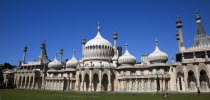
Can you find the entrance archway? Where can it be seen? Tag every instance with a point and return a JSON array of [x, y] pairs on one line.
[[86, 82], [191, 80], [204, 80], [95, 81], [105, 82]]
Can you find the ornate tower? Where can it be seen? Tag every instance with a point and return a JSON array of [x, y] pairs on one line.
[[61, 55], [179, 36], [83, 45], [115, 58], [24, 54]]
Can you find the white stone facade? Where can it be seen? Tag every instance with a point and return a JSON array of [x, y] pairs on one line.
[[101, 68]]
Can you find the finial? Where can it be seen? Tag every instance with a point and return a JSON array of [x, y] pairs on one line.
[[156, 42], [74, 52], [115, 35], [197, 17], [25, 48], [99, 26], [196, 13], [83, 39], [61, 51], [126, 46]]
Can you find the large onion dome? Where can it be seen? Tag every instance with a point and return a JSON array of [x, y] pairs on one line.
[[127, 58], [55, 64], [158, 56], [72, 62], [98, 48]]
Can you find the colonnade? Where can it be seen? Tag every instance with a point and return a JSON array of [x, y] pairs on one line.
[[143, 85]]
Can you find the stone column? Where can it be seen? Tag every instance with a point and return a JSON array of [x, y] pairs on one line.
[[33, 81], [82, 84], [197, 75], [185, 79], [130, 85], [149, 85], [77, 80], [143, 90], [29, 82], [90, 78], [70, 84], [67, 84], [161, 84], [109, 80], [164, 85], [61, 85], [119, 85], [155, 85], [100, 78], [136, 85]]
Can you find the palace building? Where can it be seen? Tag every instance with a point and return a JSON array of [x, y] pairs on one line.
[[103, 67]]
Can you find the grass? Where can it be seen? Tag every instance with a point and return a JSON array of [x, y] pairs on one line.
[[16, 94]]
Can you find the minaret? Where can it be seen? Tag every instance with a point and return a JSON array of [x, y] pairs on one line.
[[83, 45], [61, 55], [115, 57], [24, 54], [179, 35]]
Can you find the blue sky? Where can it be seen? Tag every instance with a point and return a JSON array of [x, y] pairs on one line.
[[62, 23]]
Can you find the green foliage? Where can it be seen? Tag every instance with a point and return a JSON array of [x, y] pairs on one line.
[[16, 94]]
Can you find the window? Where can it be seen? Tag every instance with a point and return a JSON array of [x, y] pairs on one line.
[[127, 85], [133, 72], [139, 84], [146, 85], [152, 85], [133, 85]]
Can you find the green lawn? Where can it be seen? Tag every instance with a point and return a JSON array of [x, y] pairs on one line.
[[14, 94]]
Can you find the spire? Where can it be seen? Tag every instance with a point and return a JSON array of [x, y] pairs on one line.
[[74, 53], [200, 29], [99, 29], [126, 46], [24, 55], [43, 56], [61, 55], [56, 55], [157, 48], [99, 26]]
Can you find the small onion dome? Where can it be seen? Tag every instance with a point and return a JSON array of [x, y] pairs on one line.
[[72, 62], [55, 64], [127, 58], [158, 56]]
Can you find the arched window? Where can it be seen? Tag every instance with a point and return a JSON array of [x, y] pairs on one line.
[[99, 46], [146, 85], [96, 46], [133, 85], [93, 47], [127, 85], [140, 85]]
